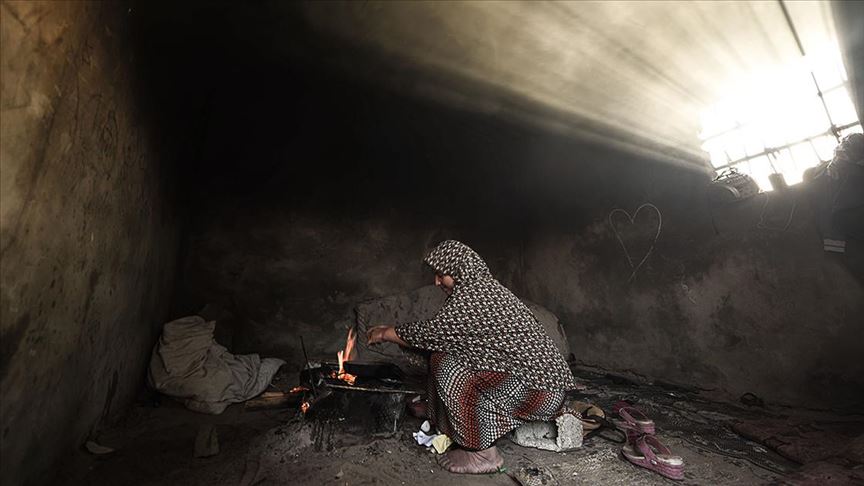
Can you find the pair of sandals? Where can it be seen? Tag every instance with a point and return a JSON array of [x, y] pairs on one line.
[[643, 448]]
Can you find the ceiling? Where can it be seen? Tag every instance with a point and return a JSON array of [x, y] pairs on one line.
[[636, 75]]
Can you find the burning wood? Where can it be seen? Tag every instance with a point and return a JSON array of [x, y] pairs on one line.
[[298, 389], [274, 399], [346, 355]]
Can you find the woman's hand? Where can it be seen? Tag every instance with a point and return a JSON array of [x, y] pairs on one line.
[[377, 334], [382, 334]]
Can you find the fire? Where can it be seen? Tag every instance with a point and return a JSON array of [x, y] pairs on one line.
[[304, 407], [343, 356], [298, 389]]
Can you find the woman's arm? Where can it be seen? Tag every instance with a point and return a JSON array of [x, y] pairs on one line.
[[380, 334]]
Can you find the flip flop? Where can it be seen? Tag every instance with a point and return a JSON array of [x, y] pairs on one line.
[[649, 453], [595, 423], [599, 425]]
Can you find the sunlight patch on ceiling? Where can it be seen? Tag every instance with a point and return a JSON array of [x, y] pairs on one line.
[[629, 74]]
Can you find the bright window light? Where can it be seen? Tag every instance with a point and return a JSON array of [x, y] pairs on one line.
[[774, 121]]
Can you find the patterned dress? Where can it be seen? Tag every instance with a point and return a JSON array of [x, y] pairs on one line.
[[492, 365]]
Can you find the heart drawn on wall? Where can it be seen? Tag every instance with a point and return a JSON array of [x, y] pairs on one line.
[[632, 219]]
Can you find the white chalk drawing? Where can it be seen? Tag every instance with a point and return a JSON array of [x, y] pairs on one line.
[[635, 267]]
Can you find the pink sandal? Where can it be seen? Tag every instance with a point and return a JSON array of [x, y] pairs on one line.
[[635, 422], [649, 453]]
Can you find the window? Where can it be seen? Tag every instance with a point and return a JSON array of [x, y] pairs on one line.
[[775, 122]]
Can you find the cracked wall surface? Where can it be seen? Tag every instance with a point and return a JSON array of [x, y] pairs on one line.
[[87, 232]]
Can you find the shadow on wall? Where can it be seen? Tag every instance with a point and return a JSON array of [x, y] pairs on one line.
[[312, 192], [287, 275], [331, 209], [334, 194]]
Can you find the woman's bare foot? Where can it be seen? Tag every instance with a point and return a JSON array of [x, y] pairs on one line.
[[460, 461]]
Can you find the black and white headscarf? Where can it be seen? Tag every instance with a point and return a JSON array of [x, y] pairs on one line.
[[487, 326]]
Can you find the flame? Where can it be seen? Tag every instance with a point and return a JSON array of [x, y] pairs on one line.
[[349, 344], [346, 355], [304, 407], [298, 389]]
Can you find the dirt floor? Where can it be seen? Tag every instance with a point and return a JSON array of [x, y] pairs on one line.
[[154, 445]]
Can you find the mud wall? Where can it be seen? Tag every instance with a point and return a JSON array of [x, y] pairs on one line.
[[332, 200], [320, 185], [89, 232], [338, 197], [737, 298]]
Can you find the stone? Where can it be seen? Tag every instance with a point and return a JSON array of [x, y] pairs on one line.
[[561, 435]]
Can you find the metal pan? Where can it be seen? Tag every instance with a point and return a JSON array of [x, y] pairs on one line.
[[381, 370]]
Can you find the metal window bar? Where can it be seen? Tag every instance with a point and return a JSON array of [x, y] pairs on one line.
[[834, 130], [815, 152], [772, 150]]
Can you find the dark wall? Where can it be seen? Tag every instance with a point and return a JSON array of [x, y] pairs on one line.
[[314, 191], [89, 229], [303, 191], [333, 192], [336, 196]]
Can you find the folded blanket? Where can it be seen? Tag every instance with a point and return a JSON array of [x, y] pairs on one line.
[[187, 363]]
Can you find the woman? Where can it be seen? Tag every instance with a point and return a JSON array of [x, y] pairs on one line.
[[492, 365]]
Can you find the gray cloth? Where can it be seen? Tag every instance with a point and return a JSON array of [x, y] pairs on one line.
[[187, 363]]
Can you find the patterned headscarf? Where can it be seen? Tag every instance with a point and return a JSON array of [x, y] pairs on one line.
[[486, 326], [457, 260]]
